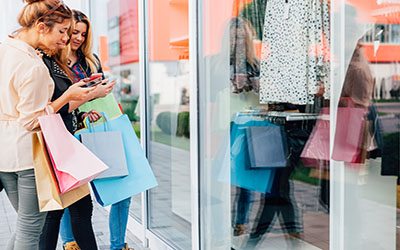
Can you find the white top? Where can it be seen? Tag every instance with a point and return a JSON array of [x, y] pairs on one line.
[[295, 49], [26, 89]]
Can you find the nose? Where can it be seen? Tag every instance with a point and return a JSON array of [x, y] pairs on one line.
[[79, 38], [65, 38]]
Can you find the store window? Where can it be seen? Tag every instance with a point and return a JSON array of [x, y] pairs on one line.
[[169, 204], [116, 40], [299, 124]]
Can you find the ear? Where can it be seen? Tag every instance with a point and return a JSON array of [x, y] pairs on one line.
[[42, 28]]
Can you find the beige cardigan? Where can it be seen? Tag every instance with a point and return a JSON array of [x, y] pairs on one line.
[[25, 90]]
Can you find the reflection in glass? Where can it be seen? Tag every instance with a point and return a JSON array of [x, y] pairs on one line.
[[168, 119]]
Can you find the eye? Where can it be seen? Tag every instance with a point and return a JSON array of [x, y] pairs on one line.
[[84, 34], [62, 31]]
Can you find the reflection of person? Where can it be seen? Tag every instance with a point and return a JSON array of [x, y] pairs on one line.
[[244, 64], [83, 63], [244, 74], [26, 89], [280, 203]]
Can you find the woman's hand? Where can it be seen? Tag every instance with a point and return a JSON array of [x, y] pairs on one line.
[[103, 89], [77, 91], [93, 115]]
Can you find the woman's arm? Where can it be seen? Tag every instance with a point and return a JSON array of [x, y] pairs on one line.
[[98, 92], [75, 93]]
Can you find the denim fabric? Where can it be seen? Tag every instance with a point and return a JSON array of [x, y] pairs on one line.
[[117, 223], [21, 191], [66, 228]]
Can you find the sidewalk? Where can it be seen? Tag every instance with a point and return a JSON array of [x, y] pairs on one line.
[[100, 224]]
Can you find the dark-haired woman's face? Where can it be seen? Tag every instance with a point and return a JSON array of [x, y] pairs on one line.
[[78, 35], [57, 37]]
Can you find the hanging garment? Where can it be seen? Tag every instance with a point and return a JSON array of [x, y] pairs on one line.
[[294, 61]]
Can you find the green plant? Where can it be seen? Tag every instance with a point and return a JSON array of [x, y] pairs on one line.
[[164, 122], [183, 128]]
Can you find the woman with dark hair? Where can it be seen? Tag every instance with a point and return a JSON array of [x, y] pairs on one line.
[[26, 91], [83, 63], [82, 210]]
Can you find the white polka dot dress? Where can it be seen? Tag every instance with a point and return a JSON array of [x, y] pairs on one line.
[[294, 53]]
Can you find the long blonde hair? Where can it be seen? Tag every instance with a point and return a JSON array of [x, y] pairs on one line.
[[87, 46]]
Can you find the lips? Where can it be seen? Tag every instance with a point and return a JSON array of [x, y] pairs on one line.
[[76, 44]]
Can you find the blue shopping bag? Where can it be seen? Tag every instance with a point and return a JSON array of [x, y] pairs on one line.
[[242, 175], [140, 178]]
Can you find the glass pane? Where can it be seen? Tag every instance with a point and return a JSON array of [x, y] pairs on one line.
[[264, 138], [367, 115], [116, 39], [169, 151]]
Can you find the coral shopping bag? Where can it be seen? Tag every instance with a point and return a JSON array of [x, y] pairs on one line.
[[350, 135], [74, 164], [317, 145]]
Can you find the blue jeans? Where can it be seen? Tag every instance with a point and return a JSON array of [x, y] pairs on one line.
[[117, 224]]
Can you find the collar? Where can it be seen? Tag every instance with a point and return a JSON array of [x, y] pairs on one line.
[[22, 46]]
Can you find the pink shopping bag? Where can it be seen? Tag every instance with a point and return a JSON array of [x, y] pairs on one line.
[[317, 145], [349, 136], [74, 165]]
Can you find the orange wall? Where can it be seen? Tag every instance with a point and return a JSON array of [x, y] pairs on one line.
[[366, 9], [168, 23], [386, 53]]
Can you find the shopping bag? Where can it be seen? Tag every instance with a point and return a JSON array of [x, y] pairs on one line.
[[241, 174], [267, 146], [49, 196], [74, 164], [107, 104], [350, 133], [140, 178], [108, 147], [317, 145]]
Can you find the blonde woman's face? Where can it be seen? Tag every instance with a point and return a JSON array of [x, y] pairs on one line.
[[57, 37], [78, 35]]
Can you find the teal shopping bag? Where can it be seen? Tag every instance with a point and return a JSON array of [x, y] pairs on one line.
[[242, 175], [234, 164], [140, 178]]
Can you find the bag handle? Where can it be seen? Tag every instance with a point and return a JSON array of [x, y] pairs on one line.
[[89, 125]]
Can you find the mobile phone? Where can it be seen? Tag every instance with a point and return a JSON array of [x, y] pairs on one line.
[[94, 80]]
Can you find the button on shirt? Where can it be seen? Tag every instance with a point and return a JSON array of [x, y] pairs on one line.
[[25, 91]]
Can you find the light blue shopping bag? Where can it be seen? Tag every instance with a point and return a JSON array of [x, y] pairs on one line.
[[140, 178], [233, 160]]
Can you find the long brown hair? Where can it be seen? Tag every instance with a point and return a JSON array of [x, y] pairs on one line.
[[41, 11], [87, 46]]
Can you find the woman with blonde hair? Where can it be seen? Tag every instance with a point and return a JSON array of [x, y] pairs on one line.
[[26, 91]]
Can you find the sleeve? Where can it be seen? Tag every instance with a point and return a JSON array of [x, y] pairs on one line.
[[34, 95], [99, 68]]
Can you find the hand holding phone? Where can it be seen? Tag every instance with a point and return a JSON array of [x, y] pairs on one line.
[[94, 80]]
